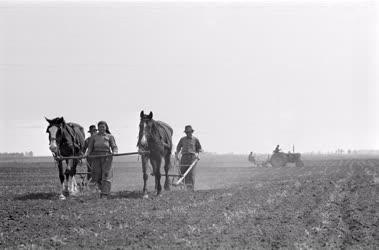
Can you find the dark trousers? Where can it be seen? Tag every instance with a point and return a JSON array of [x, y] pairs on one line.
[[186, 161], [102, 172], [89, 169]]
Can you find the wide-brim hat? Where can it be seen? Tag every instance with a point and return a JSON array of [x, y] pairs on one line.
[[188, 128], [92, 128]]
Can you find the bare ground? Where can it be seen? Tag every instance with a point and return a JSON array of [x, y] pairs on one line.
[[327, 204]]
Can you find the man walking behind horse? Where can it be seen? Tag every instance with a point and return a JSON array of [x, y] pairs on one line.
[[190, 148]]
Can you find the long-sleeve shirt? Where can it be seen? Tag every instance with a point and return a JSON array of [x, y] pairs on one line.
[[188, 145], [102, 143]]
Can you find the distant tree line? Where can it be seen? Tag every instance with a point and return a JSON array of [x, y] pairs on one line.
[[16, 155]]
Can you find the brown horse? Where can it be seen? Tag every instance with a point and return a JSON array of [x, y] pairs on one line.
[[155, 137], [65, 140]]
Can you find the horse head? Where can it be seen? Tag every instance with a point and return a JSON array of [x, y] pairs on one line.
[[145, 129], [53, 129]]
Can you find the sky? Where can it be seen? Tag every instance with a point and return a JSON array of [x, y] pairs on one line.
[[247, 75]]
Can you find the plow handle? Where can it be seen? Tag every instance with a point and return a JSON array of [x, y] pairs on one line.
[[188, 170]]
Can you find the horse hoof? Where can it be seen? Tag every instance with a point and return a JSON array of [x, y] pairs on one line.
[[62, 197], [145, 196]]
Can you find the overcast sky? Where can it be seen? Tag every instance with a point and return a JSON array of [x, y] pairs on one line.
[[246, 75]]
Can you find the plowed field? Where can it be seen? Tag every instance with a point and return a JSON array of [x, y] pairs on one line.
[[330, 203]]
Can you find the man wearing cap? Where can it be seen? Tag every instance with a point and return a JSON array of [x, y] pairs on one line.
[[92, 131], [190, 148]]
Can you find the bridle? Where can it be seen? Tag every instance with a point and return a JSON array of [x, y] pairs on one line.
[[144, 133], [52, 139]]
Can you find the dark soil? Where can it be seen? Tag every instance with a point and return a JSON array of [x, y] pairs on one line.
[[326, 204]]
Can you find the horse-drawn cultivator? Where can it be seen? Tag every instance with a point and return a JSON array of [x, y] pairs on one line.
[[66, 142], [84, 173]]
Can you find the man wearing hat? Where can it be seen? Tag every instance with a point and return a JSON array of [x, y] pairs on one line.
[[92, 131], [190, 148]]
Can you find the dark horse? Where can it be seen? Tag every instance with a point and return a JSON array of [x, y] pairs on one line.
[[155, 137], [65, 140]]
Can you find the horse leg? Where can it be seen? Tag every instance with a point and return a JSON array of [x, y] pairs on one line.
[[70, 179], [67, 175], [74, 185], [167, 166], [153, 166], [145, 175], [67, 178], [61, 178], [157, 173]]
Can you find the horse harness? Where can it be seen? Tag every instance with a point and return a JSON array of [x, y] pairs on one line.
[[58, 155]]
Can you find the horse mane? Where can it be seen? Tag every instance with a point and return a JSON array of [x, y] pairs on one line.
[[162, 132], [154, 128]]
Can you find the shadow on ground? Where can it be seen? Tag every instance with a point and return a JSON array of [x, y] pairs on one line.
[[127, 195], [37, 196]]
